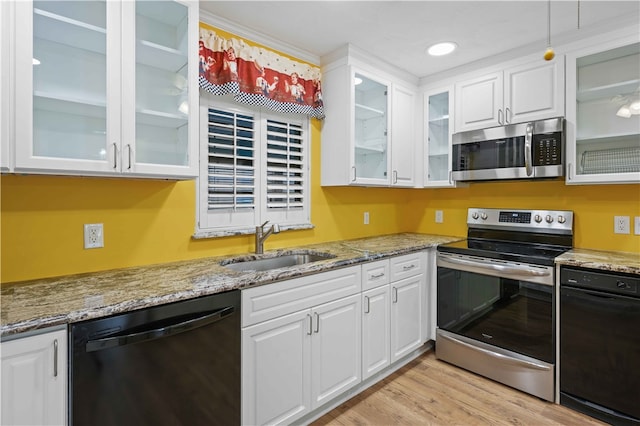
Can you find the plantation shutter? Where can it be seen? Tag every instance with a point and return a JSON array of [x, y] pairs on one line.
[[285, 189], [231, 160]]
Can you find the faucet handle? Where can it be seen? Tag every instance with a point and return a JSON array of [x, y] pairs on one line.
[[262, 226]]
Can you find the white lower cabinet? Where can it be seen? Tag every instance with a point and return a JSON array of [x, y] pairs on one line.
[[407, 315], [34, 379], [376, 331]]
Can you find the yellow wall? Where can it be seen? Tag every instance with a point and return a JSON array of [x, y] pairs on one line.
[[151, 221]]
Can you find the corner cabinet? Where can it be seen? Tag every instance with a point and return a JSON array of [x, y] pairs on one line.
[[34, 379], [603, 113], [106, 88], [368, 134], [533, 90], [438, 131]]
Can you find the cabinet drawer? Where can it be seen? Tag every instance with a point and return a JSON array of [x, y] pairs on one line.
[[375, 274], [285, 297], [407, 266]]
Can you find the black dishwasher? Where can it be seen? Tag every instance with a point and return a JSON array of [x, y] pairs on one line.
[[174, 364], [600, 344]]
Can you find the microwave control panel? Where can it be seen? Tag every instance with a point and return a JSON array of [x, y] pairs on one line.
[[547, 149]]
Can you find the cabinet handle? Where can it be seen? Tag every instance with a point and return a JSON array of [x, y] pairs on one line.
[[376, 276], [129, 149], [317, 322], [500, 117], [395, 176], [450, 177], [408, 267], [55, 358], [367, 307], [569, 171], [353, 179], [507, 113], [394, 292], [310, 324], [115, 156]]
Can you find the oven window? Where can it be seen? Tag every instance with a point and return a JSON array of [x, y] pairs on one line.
[[511, 314], [493, 154]]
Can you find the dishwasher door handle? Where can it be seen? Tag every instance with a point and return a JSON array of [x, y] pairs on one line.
[[156, 333]]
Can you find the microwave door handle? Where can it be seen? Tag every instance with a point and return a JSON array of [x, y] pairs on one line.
[[528, 139], [505, 269]]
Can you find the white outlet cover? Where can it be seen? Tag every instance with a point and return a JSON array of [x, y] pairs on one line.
[[636, 225], [93, 235], [439, 216], [621, 225]]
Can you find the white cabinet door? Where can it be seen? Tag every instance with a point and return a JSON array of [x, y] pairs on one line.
[[6, 85], [438, 131], [376, 331], [603, 120], [105, 88], [479, 102], [403, 142], [276, 371], [336, 353], [34, 380], [407, 307], [534, 91]]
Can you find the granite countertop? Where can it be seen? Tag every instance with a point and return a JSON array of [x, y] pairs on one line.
[[628, 263], [35, 304]]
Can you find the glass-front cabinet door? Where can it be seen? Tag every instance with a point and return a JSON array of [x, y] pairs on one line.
[[371, 122], [603, 114], [101, 87], [438, 133]]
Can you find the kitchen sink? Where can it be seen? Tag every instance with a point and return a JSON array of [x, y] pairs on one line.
[[275, 262]]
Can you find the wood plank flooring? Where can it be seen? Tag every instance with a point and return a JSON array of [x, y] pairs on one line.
[[431, 392]]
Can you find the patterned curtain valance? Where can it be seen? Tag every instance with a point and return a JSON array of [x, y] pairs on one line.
[[258, 76]]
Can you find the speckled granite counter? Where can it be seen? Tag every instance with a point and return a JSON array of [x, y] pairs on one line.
[[628, 263], [42, 303]]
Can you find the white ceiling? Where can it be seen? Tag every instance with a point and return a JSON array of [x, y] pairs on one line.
[[400, 31]]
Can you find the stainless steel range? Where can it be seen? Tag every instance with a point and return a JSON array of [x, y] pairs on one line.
[[496, 298]]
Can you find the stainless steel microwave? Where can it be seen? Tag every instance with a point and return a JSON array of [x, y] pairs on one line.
[[517, 151]]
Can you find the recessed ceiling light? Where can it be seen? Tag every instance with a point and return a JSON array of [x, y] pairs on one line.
[[443, 48]]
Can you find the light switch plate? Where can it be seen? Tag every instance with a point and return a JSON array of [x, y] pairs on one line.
[[636, 225]]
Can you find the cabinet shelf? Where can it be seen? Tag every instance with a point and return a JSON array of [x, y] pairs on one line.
[[608, 91], [60, 29], [371, 149], [159, 56], [364, 112], [160, 119], [69, 105], [439, 121]]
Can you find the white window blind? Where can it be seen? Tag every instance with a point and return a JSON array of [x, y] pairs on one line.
[[253, 167], [285, 166], [231, 160]]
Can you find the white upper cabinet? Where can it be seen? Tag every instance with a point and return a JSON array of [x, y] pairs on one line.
[[368, 135], [6, 85], [531, 91], [438, 131], [603, 113], [105, 88]]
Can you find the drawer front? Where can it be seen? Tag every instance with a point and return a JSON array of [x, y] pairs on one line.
[[375, 274], [406, 266], [273, 300]]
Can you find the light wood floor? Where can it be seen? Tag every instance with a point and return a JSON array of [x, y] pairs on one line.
[[431, 392]]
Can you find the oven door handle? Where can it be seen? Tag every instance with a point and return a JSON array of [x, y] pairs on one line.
[[503, 269], [504, 358]]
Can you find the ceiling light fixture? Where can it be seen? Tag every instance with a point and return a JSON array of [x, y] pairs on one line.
[[440, 49]]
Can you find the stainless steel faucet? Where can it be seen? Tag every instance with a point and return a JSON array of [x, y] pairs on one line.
[[261, 235]]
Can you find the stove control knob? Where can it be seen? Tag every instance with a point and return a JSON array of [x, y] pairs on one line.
[[561, 219], [549, 219], [538, 218], [483, 216], [475, 215]]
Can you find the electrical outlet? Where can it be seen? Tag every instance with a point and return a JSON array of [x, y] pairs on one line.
[[621, 224], [93, 235], [636, 225], [366, 218], [439, 216]]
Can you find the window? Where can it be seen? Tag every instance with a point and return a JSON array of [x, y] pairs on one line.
[[254, 167]]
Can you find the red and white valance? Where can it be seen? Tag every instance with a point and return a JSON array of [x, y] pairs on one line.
[[258, 76]]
